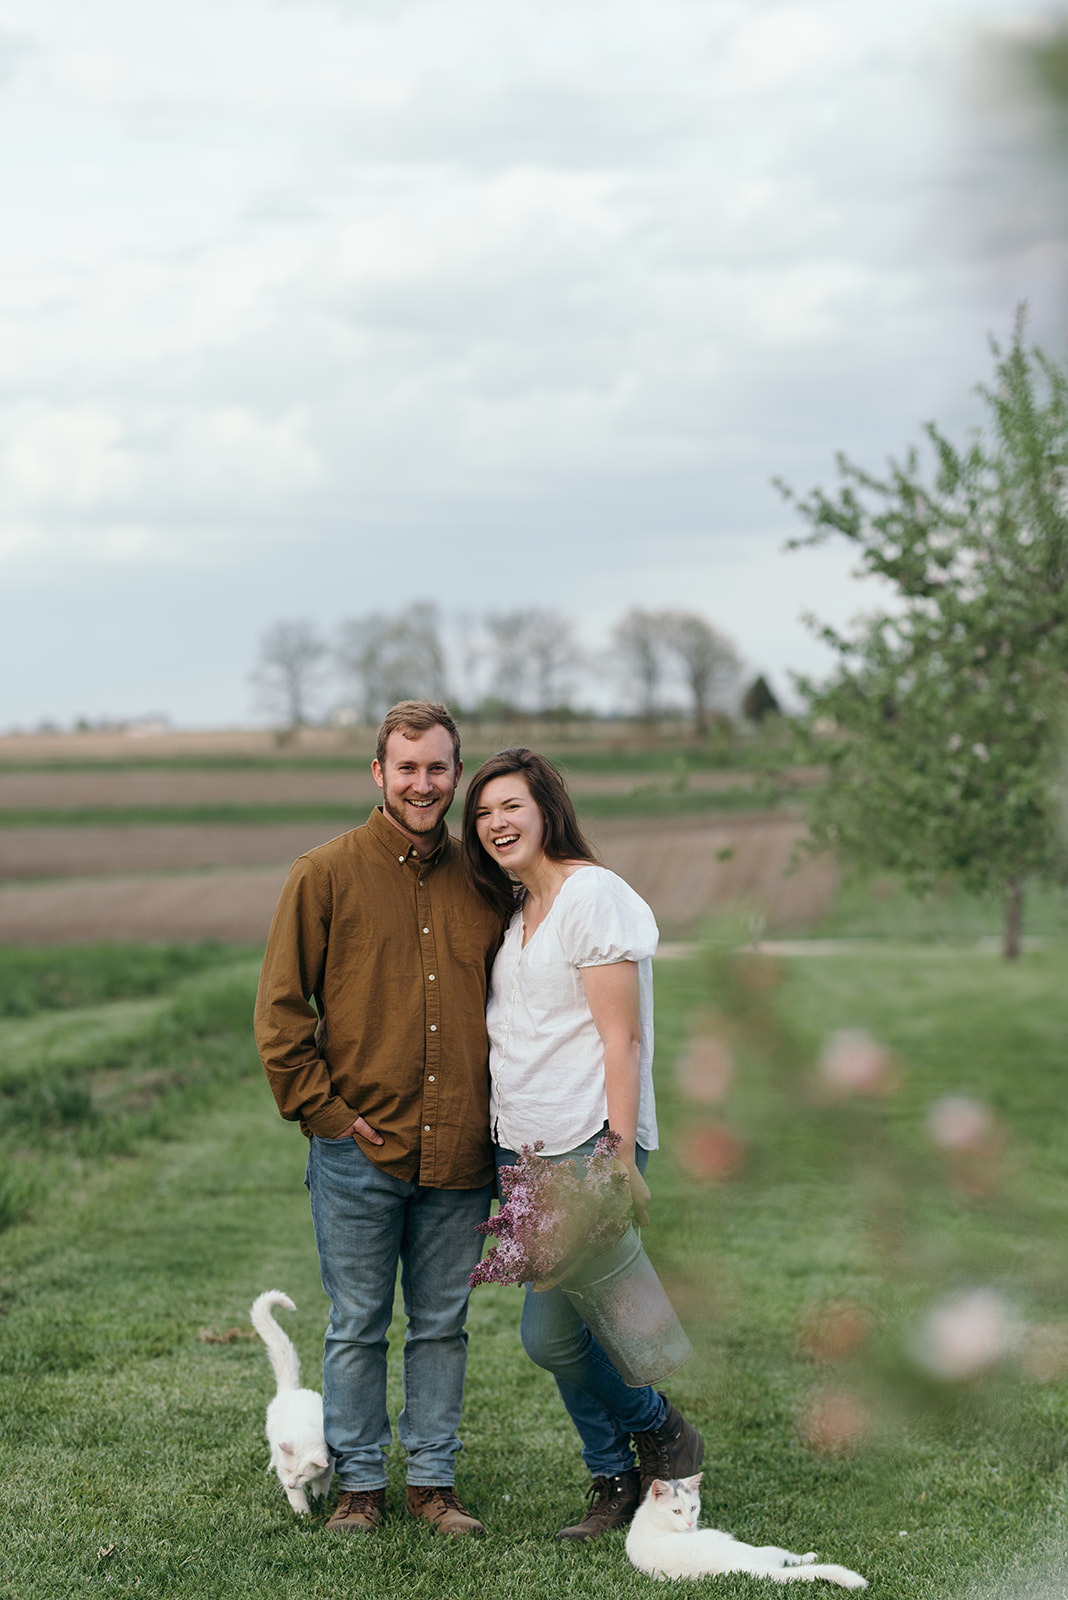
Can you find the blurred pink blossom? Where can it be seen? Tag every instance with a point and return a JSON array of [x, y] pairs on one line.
[[706, 1070], [959, 1123], [972, 1138], [835, 1421], [834, 1332], [853, 1063], [713, 1153], [965, 1335]]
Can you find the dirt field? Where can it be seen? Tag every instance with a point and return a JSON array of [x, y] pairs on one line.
[[76, 884], [222, 883], [61, 790]]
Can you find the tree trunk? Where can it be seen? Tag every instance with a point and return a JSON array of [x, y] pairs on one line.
[[700, 713], [1013, 919]]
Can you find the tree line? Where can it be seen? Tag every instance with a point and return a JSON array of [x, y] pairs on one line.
[[525, 662], [941, 727]]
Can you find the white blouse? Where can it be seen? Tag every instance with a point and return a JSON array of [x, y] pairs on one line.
[[546, 1056]]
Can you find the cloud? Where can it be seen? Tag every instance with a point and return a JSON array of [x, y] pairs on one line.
[[335, 281]]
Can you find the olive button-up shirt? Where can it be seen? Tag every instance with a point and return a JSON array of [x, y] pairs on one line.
[[372, 1003]]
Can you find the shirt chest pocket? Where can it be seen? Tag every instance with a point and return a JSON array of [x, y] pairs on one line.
[[462, 936]]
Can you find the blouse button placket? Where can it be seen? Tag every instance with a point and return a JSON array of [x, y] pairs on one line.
[[503, 1062]]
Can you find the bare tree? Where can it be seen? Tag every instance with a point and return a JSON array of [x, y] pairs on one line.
[[393, 657], [290, 669], [468, 651], [638, 644], [705, 659], [534, 658]]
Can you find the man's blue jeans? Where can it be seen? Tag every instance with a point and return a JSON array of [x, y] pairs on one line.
[[603, 1408], [365, 1222]]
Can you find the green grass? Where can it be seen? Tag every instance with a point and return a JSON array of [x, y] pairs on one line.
[[131, 1449], [285, 761], [57, 977], [609, 750], [880, 907], [218, 814], [83, 1082], [749, 753], [666, 799]]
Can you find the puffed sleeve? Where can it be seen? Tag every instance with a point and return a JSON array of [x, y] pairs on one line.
[[602, 921]]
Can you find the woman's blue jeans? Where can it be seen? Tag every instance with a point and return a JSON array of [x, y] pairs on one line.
[[603, 1408], [365, 1222]]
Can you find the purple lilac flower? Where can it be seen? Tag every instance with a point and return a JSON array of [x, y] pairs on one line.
[[551, 1215]]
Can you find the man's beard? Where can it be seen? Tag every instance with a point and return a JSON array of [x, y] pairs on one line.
[[414, 820]]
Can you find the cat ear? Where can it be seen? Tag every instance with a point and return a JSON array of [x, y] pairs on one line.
[[659, 1490], [321, 1460], [286, 1448], [692, 1483]]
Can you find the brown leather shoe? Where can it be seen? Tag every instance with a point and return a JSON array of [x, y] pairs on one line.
[[612, 1504], [437, 1505], [674, 1450], [358, 1511]]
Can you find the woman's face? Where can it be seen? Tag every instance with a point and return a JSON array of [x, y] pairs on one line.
[[509, 824]]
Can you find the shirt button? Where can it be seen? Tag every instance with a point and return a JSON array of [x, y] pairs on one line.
[[426, 1127], [430, 977], [430, 1079], [426, 930], [433, 1027]]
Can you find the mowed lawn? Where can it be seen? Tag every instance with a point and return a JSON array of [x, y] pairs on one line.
[[808, 1226]]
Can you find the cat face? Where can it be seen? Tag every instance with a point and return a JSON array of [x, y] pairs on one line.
[[676, 1501], [295, 1470]]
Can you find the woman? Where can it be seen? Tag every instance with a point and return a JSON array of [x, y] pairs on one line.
[[570, 1022]]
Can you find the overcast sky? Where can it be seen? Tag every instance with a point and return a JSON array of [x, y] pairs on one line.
[[313, 308]]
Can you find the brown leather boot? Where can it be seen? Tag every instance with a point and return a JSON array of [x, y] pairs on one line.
[[358, 1511], [612, 1504], [674, 1450], [438, 1506]]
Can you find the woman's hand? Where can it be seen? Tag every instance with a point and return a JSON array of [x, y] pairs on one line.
[[639, 1190]]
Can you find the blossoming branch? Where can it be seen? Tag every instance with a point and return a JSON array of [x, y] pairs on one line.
[[552, 1215]]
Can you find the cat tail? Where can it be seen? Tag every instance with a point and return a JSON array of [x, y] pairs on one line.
[[281, 1351], [828, 1571]]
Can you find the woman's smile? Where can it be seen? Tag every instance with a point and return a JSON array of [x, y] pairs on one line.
[[509, 823]]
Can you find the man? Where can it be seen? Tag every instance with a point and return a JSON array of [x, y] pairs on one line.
[[370, 1025]]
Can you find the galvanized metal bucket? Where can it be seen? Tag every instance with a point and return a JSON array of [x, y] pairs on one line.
[[622, 1301]]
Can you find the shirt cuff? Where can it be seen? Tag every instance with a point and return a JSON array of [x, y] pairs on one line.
[[332, 1121]]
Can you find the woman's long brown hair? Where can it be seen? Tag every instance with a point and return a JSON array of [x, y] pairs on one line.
[[562, 840]]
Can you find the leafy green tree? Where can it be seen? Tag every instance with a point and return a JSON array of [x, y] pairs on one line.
[[939, 726], [759, 701]]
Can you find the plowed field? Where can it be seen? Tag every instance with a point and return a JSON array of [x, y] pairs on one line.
[[162, 881]]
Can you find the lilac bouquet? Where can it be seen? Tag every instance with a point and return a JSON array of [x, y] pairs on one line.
[[551, 1215]]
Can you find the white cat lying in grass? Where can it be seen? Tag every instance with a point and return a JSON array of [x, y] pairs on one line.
[[671, 1509], [295, 1415]]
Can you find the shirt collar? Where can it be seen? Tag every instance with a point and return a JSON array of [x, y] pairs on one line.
[[395, 842]]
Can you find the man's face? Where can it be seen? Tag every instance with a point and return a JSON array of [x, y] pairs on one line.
[[418, 780]]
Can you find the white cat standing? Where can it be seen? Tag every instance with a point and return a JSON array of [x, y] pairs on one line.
[[665, 1541], [295, 1416]]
